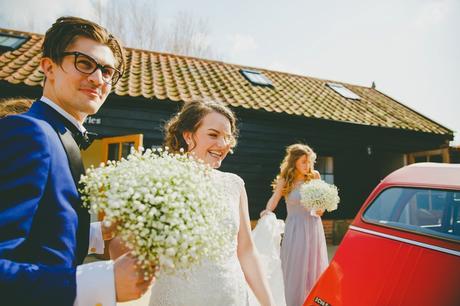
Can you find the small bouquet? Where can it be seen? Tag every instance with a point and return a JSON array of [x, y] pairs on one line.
[[319, 195], [166, 207]]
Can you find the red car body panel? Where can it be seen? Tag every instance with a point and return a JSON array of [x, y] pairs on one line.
[[381, 265]]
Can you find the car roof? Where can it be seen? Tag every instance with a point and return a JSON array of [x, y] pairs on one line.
[[436, 175]]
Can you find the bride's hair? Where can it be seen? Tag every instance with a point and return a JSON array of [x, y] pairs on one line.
[[189, 118], [287, 167]]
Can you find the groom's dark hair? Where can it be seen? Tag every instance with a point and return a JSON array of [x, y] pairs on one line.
[[67, 29]]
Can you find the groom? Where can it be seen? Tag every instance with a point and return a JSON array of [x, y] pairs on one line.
[[44, 230]]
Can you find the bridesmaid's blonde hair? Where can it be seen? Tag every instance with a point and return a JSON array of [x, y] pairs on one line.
[[287, 167]]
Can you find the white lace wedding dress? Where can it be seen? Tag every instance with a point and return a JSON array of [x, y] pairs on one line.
[[222, 284], [211, 283]]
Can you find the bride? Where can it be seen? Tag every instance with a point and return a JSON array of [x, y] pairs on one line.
[[208, 131]]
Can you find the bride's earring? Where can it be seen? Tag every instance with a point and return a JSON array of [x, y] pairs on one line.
[[188, 144]]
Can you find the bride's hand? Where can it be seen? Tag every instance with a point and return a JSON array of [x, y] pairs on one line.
[[130, 280], [264, 212]]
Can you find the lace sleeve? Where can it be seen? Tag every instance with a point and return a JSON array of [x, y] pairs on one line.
[[237, 180]]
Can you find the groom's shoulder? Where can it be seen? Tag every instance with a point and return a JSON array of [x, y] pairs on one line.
[[25, 123], [25, 131]]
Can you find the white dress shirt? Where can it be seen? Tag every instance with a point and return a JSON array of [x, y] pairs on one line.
[[65, 114], [96, 284], [96, 241]]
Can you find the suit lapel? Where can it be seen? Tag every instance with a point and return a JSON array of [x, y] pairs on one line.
[[62, 127], [73, 155], [77, 169]]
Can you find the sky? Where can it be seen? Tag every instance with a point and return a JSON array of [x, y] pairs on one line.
[[409, 48]]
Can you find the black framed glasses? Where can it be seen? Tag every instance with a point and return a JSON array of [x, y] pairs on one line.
[[88, 65]]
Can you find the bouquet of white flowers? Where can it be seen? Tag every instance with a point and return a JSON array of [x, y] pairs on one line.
[[319, 195], [166, 207]]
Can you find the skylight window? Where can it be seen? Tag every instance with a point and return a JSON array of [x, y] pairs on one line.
[[343, 91], [256, 77], [10, 42]]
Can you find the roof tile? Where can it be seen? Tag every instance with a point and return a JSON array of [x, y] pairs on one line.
[[163, 76]]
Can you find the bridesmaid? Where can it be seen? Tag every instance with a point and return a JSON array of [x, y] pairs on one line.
[[303, 250]]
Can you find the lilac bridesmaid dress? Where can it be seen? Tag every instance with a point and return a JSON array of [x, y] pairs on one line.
[[303, 250]]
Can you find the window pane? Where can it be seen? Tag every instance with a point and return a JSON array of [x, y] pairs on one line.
[[425, 211], [114, 149], [421, 159], [328, 178], [329, 165], [343, 91], [126, 148], [320, 164], [11, 41], [256, 77], [324, 165], [436, 158]]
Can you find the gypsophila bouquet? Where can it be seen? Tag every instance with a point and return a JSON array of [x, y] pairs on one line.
[[166, 207], [319, 195]]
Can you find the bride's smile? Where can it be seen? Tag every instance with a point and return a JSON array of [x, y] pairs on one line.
[[212, 140]]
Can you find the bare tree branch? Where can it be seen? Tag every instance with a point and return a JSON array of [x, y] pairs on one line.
[[188, 36], [137, 23]]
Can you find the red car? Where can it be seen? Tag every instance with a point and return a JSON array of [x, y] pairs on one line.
[[403, 248]]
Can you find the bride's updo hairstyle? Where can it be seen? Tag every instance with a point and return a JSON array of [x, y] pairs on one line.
[[287, 167], [189, 118]]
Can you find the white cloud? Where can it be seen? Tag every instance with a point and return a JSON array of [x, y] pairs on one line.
[[242, 43], [22, 14], [279, 66], [202, 39], [432, 13]]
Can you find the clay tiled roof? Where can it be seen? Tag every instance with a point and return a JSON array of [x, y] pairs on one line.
[[163, 76]]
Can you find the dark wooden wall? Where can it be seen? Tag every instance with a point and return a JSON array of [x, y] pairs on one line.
[[262, 142], [264, 137]]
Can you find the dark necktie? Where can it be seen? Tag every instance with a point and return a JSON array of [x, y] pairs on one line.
[[83, 140]]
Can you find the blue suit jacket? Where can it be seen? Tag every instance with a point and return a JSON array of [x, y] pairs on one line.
[[43, 228]]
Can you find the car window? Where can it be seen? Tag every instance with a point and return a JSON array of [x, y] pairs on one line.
[[426, 211]]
